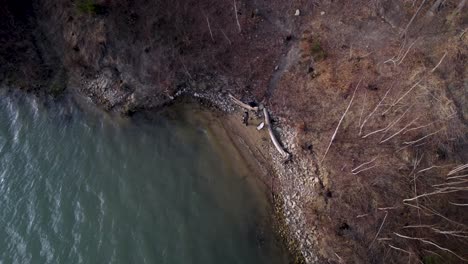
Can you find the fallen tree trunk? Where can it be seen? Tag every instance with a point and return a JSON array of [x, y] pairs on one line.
[[272, 135], [243, 105]]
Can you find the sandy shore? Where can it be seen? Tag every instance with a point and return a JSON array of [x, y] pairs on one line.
[[270, 174]]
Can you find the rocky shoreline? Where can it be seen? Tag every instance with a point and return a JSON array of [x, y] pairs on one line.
[[287, 180], [283, 178]]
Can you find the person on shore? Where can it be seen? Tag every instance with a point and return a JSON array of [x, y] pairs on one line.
[[245, 118]]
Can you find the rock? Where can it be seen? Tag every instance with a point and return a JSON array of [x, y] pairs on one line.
[[322, 13]]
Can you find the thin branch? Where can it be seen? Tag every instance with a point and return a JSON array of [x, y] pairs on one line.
[[441, 191], [363, 106], [419, 127], [403, 96], [377, 131], [373, 111], [443, 217], [442, 232], [451, 233], [380, 229], [458, 169], [420, 144], [450, 183], [399, 131], [417, 140], [430, 168], [396, 58], [434, 212], [455, 188], [388, 208], [418, 226], [226, 37], [445, 54], [431, 243], [457, 177], [412, 205], [416, 162], [458, 204], [399, 249], [237, 18], [341, 120], [414, 16], [416, 194], [391, 124], [384, 239], [406, 53], [339, 258], [185, 69], [209, 27], [363, 164], [368, 168], [423, 126], [398, 119]]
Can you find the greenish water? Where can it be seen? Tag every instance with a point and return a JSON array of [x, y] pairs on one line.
[[81, 187]]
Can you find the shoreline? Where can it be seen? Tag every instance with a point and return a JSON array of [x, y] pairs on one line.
[[259, 154], [268, 168]]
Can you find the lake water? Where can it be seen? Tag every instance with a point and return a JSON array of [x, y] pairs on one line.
[[83, 187]]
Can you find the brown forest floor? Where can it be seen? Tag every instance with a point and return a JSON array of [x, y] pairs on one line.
[[405, 82]]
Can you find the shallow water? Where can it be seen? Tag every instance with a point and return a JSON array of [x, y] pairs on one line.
[[82, 187]]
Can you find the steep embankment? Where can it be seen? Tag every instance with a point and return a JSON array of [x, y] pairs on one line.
[[127, 55], [371, 98]]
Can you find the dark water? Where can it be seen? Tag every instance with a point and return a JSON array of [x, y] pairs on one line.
[[81, 187]]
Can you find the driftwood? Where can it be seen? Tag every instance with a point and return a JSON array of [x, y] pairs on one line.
[[267, 123], [260, 126], [272, 135], [241, 104]]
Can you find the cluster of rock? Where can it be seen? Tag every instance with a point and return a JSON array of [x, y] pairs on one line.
[[295, 179]]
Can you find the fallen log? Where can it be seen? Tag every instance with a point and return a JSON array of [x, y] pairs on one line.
[[272, 135], [243, 105]]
